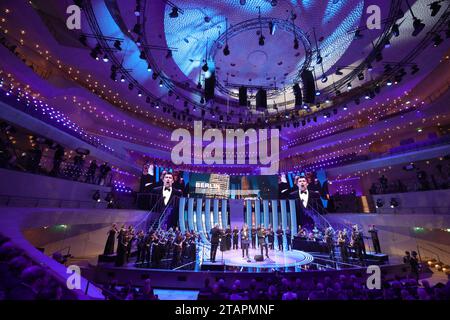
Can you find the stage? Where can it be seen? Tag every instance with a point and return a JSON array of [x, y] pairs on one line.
[[277, 260]]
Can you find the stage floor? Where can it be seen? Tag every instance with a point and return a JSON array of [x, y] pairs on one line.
[[276, 260]]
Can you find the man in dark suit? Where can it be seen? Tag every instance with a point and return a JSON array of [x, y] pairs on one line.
[[167, 198], [215, 239], [305, 200]]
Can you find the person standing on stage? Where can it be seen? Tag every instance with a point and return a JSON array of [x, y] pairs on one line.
[[235, 237], [288, 238], [280, 233], [140, 243], [329, 240], [262, 240], [376, 242], [253, 232], [245, 242], [228, 238], [342, 243], [177, 249], [215, 237], [109, 247], [270, 237]]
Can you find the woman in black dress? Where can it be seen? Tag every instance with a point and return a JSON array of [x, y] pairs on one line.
[[109, 247]]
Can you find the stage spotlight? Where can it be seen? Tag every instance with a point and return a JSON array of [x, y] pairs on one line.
[[296, 45], [137, 28], [174, 13], [160, 83], [122, 78], [140, 94], [435, 7], [389, 83], [117, 45], [109, 197], [369, 67], [361, 76], [271, 28], [96, 196], [345, 108], [105, 58], [149, 68], [83, 40], [396, 30], [418, 27], [324, 79], [319, 59], [226, 50], [379, 204], [394, 203], [437, 40], [261, 40], [349, 86]]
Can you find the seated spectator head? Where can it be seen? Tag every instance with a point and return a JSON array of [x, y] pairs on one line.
[[34, 276], [8, 251], [18, 264]]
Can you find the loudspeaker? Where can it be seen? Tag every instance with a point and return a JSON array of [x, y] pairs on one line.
[[261, 99], [258, 258], [243, 96], [309, 87], [298, 96], [210, 85]]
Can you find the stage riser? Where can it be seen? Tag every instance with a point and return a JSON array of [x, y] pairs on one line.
[[192, 211], [194, 280]]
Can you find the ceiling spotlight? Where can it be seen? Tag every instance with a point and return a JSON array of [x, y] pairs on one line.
[[349, 86], [339, 72], [324, 79], [96, 196], [117, 45], [122, 78], [435, 7], [389, 83], [394, 203], [160, 83], [396, 30], [317, 93], [261, 40], [226, 50], [387, 44], [105, 58], [380, 203], [137, 10], [370, 67], [138, 41], [205, 67], [361, 76], [139, 94], [418, 26], [174, 12], [345, 108], [149, 68], [296, 45], [437, 40]]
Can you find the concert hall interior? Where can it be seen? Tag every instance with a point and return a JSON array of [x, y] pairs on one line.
[[224, 150]]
